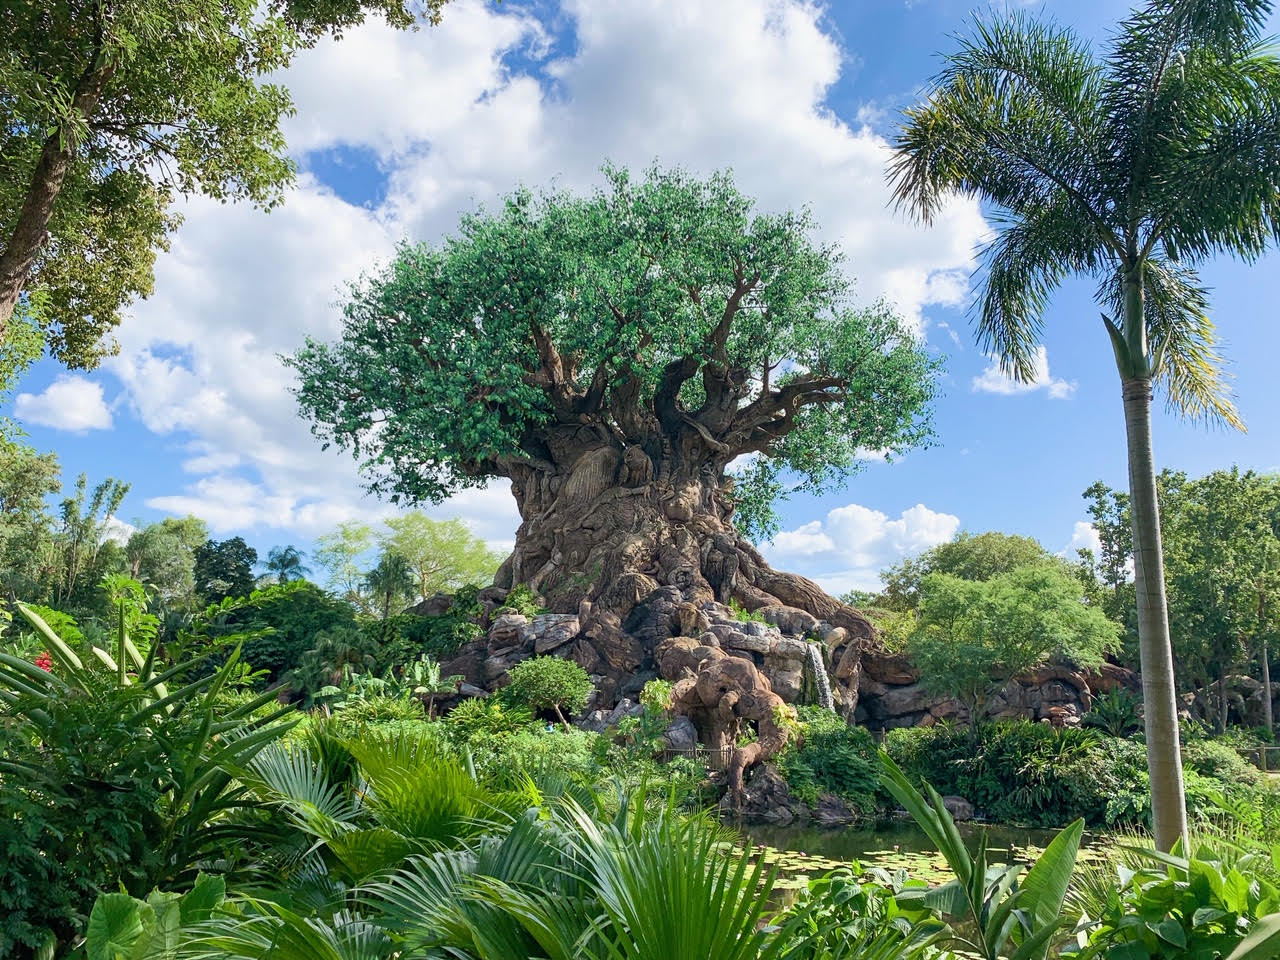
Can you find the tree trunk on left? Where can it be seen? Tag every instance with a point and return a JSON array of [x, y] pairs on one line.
[[56, 156]]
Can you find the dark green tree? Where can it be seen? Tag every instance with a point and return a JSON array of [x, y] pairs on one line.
[[611, 355], [549, 683], [111, 109], [1131, 169], [224, 568]]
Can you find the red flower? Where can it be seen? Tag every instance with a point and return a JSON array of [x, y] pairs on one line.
[[45, 662]]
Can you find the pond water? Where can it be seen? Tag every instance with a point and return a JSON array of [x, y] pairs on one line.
[[805, 851]]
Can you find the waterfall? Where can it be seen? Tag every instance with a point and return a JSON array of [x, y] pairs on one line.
[[813, 659]]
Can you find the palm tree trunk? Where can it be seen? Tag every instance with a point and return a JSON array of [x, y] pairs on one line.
[[1160, 707]]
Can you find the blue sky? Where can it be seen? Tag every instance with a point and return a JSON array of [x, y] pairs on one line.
[[396, 134]]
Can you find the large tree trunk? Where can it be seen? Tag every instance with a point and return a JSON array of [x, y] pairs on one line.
[[1160, 708], [56, 155], [621, 540]]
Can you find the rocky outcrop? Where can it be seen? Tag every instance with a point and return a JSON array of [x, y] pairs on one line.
[[669, 636], [891, 694], [766, 798]]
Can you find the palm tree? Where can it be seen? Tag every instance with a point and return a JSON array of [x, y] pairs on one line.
[[391, 578], [1132, 169], [285, 564]]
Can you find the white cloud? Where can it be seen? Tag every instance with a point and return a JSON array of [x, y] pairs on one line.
[[117, 531], [849, 547], [992, 380], [453, 125], [72, 402], [1083, 537]]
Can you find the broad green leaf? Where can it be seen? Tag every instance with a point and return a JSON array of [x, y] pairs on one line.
[[1262, 941], [116, 923]]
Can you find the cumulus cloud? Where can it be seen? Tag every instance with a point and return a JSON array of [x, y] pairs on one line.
[[71, 402], [1083, 537], [993, 380], [456, 116], [848, 548]]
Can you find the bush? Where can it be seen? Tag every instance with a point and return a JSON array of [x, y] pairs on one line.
[[1218, 761], [832, 757], [549, 683], [296, 615], [485, 715], [1031, 773], [504, 760]]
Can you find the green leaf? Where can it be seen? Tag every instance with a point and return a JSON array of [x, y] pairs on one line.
[[204, 897], [1262, 941], [1045, 885], [116, 923]]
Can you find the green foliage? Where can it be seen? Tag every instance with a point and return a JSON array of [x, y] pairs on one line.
[[974, 636], [1173, 906], [1116, 714], [487, 715], [969, 556], [841, 915], [134, 109], [1218, 761], [742, 614], [295, 616], [832, 757], [520, 599], [549, 683], [122, 927], [224, 568], [110, 779], [1006, 913], [660, 289], [1021, 772], [442, 554]]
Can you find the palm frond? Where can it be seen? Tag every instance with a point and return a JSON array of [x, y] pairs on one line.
[[1183, 341], [1011, 118], [1023, 265], [1214, 170]]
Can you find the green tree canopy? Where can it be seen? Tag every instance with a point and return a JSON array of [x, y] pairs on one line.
[[1222, 551], [111, 109], [973, 636], [224, 568], [443, 554], [663, 312], [969, 556], [163, 556]]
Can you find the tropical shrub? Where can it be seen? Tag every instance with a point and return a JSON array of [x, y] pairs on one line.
[[1117, 714], [832, 757], [549, 683], [842, 915], [289, 617], [1004, 912], [1178, 907], [1021, 772], [110, 780], [486, 715]]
